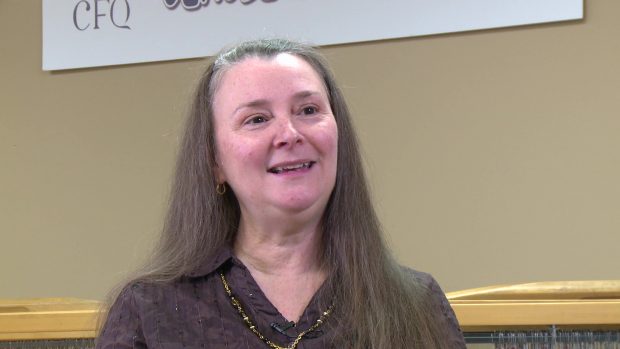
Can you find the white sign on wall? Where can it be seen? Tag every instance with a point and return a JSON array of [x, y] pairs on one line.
[[87, 33]]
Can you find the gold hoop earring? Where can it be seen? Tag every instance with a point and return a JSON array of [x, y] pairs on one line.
[[220, 188]]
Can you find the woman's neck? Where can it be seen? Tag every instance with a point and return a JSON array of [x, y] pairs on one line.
[[285, 263], [279, 251]]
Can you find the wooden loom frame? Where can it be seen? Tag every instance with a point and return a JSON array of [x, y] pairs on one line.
[[570, 304]]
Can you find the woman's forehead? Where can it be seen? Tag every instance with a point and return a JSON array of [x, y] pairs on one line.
[[255, 73], [282, 61]]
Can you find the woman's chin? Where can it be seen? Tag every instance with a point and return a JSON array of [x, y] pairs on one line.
[[301, 203]]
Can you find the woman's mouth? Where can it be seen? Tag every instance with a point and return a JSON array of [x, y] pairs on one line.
[[292, 167]]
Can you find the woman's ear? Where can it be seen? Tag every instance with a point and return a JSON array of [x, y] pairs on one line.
[[219, 174]]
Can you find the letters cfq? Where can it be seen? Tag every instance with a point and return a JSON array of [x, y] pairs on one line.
[[115, 13]]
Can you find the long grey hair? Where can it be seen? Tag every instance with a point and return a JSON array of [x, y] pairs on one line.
[[379, 304]]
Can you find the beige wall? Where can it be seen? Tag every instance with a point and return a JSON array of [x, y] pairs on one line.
[[494, 155]]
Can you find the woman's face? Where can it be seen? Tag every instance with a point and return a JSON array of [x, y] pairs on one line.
[[276, 136]]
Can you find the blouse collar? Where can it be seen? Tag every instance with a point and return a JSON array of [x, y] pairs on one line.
[[213, 262]]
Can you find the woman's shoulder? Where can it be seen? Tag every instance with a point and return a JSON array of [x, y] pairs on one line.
[[423, 279], [144, 310], [134, 297], [140, 292], [439, 305], [426, 284]]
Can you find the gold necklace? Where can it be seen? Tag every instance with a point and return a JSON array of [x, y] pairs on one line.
[[252, 327]]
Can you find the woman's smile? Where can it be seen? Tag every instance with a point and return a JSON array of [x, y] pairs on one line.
[[291, 167]]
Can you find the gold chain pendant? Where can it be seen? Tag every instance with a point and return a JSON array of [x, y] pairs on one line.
[[252, 327]]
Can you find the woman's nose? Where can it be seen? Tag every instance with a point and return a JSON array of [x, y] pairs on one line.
[[287, 133]]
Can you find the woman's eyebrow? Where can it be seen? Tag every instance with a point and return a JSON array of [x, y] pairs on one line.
[[251, 104], [263, 102], [306, 93]]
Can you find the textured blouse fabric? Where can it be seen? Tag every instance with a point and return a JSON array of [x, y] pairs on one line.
[[196, 312]]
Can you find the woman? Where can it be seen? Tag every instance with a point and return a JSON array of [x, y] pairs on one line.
[[271, 239]]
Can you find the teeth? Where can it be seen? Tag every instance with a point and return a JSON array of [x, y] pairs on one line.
[[291, 167]]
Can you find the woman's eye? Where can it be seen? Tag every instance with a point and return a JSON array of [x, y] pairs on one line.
[[309, 110], [257, 119]]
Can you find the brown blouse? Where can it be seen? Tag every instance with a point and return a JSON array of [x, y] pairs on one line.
[[196, 312]]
